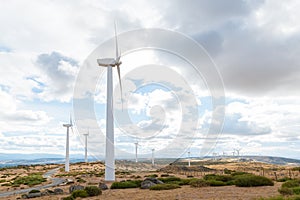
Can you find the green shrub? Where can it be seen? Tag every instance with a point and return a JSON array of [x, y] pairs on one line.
[[30, 180], [199, 183], [296, 190], [272, 198], [126, 184], [223, 178], [169, 179], [216, 183], [93, 190], [2, 181], [164, 175], [164, 186], [79, 193], [34, 191], [239, 173], [291, 184], [284, 179], [152, 175], [285, 191], [68, 198], [248, 180]]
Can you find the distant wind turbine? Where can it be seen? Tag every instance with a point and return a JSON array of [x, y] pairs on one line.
[[153, 157], [110, 149], [67, 162], [85, 146], [136, 149]]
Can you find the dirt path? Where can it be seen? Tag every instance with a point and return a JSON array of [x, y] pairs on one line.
[[48, 175]]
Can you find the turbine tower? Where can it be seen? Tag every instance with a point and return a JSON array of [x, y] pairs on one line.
[[136, 148], [67, 162], [153, 157], [85, 146], [109, 147]]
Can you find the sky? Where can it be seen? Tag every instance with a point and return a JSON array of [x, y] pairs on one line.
[[245, 94]]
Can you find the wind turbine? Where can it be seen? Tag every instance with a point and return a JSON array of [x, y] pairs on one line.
[[136, 148], [67, 162], [152, 157], [85, 146], [238, 151], [109, 148]]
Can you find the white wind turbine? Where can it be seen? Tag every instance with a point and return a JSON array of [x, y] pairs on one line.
[[67, 162], [136, 149], [110, 149], [85, 146], [153, 157]]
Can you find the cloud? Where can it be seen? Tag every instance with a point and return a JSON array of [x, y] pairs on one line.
[[58, 74]]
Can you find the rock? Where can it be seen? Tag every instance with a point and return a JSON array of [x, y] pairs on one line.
[[102, 186], [34, 195], [146, 184], [75, 187], [58, 191]]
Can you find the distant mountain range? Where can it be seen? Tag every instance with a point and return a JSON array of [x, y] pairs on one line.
[[33, 159]]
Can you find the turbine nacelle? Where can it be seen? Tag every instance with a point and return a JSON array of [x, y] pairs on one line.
[[105, 62]]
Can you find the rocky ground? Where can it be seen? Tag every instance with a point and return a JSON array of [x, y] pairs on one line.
[[92, 174]]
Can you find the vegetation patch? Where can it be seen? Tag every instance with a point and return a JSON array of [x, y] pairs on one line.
[[164, 186], [126, 184], [248, 180], [30, 180], [199, 183], [93, 191], [79, 193]]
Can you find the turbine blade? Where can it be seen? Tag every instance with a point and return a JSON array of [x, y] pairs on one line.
[[117, 49], [119, 74], [71, 119]]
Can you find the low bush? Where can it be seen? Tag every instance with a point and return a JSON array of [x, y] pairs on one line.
[[79, 193], [68, 198], [291, 184], [164, 186], [93, 190], [164, 175], [248, 180], [30, 180], [169, 179], [296, 190], [126, 184], [34, 191], [216, 183], [152, 175], [285, 191], [284, 179], [223, 178], [199, 183]]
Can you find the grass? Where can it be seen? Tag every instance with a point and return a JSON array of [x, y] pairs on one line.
[[248, 180], [164, 187], [126, 184], [29, 180]]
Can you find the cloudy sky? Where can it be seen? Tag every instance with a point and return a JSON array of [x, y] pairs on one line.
[[46, 47]]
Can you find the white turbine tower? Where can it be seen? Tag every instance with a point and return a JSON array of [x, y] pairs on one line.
[[110, 149], [85, 146], [153, 157], [67, 162], [136, 148]]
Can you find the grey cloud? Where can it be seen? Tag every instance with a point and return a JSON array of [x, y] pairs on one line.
[[60, 81]]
